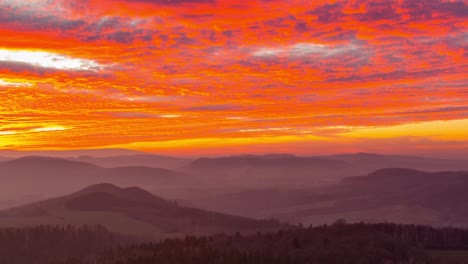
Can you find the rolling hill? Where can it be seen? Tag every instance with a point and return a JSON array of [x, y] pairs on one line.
[[398, 195], [284, 170], [129, 211], [268, 170], [45, 177], [145, 160], [393, 195], [281, 186], [69, 153], [370, 162]]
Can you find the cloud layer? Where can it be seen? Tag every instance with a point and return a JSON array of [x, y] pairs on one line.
[[129, 71]]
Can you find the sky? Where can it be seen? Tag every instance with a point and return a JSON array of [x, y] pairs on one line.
[[229, 76]]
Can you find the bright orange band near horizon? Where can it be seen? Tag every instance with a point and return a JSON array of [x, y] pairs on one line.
[[225, 76]]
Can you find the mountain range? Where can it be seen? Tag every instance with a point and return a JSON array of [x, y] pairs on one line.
[[395, 195], [145, 160], [291, 188], [294, 171], [129, 211], [32, 178]]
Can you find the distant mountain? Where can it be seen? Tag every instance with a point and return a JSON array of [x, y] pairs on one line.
[[393, 195], [269, 170], [130, 211], [146, 160], [278, 185], [69, 153], [371, 162], [294, 171], [31, 178], [29, 174]]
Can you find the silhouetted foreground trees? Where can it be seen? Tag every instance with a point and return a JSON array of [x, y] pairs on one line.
[[339, 243], [44, 244], [335, 244]]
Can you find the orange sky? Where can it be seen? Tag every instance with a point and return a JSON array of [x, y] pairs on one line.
[[230, 76]]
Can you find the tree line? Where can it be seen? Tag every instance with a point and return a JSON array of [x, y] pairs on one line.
[[47, 244], [339, 243]]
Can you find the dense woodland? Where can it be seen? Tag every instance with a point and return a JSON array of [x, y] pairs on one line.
[[337, 243], [46, 244]]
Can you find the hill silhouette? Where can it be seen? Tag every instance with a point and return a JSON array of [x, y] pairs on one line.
[[70, 153], [295, 171], [394, 195], [146, 160], [371, 162], [131, 211], [45, 177], [268, 170]]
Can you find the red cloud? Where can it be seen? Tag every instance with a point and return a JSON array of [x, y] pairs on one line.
[[220, 67]]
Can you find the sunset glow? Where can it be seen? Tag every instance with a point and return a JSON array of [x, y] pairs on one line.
[[226, 76]]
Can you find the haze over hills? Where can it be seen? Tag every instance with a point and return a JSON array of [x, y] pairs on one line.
[[201, 182], [130, 211], [400, 195], [69, 153], [146, 160], [372, 162], [295, 171], [387, 195], [232, 193], [32, 178], [270, 170]]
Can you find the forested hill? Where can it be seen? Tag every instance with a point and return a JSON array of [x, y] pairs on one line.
[[338, 243], [47, 244]]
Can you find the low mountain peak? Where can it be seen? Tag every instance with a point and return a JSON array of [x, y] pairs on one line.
[[392, 172], [131, 193], [137, 192], [101, 187], [41, 158], [46, 160]]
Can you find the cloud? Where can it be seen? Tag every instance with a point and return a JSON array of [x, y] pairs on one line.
[[147, 99], [214, 68], [48, 60], [138, 115], [426, 9], [304, 49], [437, 110], [223, 107], [123, 30], [329, 12], [378, 10], [7, 133], [265, 129], [171, 2], [51, 16], [26, 130], [14, 83], [30, 15], [198, 16], [373, 10], [49, 129], [396, 75]]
